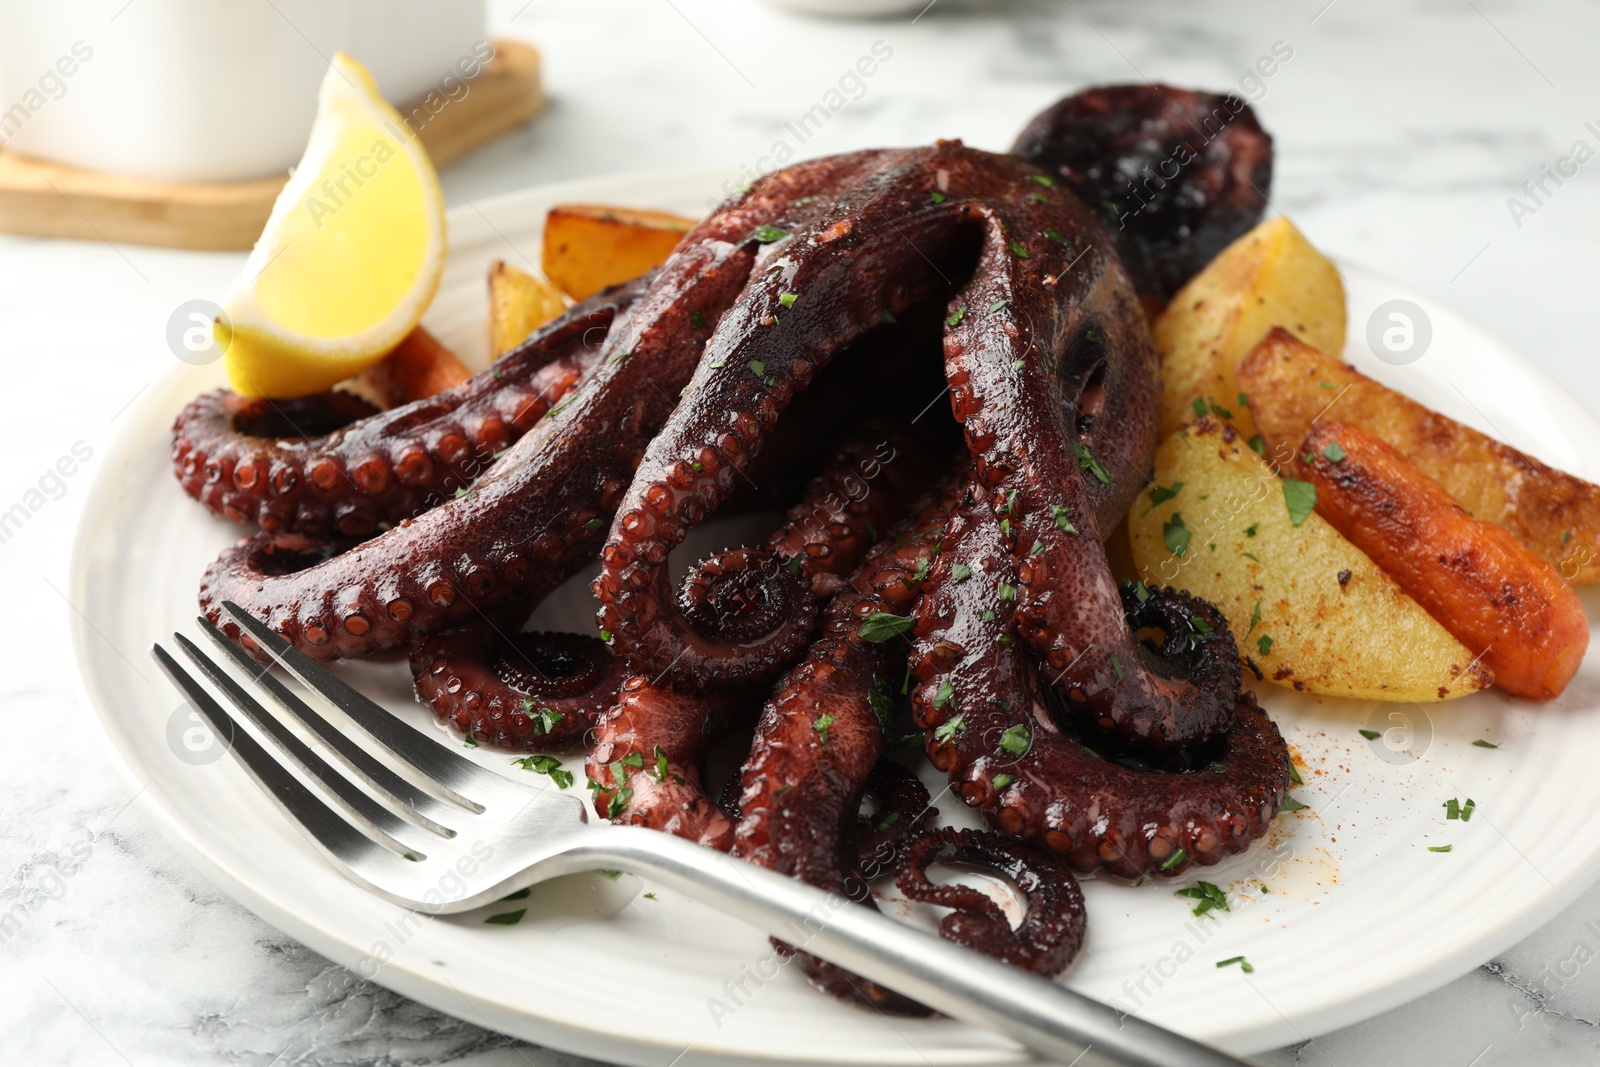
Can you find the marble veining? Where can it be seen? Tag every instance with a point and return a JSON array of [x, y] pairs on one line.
[[1403, 129]]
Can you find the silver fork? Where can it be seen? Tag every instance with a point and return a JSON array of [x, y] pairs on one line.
[[404, 816]]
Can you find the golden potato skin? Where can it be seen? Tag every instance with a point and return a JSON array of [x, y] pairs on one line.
[[519, 303], [1271, 276], [1331, 618], [590, 246], [1554, 515]]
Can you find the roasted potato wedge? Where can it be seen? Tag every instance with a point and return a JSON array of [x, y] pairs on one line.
[[419, 367], [519, 303], [1308, 609], [1554, 515], [1493, 595], [1271, 276], [588, 246]]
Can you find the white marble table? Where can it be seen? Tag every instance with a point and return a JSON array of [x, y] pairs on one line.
[[1402, 129]]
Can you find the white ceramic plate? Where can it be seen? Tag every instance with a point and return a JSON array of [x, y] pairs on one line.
[[1360, 918]]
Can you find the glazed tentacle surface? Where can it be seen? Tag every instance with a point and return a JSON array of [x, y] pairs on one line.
[[823, 285], [861, 494], [1053, 925], [295, 466], [979, 700], [820, 736], [535, 692], [1055, 392], [645, 767]]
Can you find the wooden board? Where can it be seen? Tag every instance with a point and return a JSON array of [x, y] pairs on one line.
[[51, 200]]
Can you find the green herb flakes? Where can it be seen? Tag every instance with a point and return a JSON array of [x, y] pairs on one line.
[[880, 626]]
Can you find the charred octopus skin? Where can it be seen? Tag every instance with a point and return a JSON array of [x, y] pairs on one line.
[[980, 701], [541, 510], [329, 464], [1174, 175]]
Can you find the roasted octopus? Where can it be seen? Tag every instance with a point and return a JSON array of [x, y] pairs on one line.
[[941, 357]]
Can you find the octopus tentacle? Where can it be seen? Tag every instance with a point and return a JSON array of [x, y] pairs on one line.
[[535, 692], [648, 748], [820, 736], [331, 464], [645, 765], [821, 288], [541, 511], [1056, 395], [903, 810], [1175, 175], [1052, 930], [979, 699]]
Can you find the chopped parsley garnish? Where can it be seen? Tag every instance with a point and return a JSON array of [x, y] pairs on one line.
[[888, 318], [1038, 547], [1264, 644], [1440, 848], [821, 726], [1008, 591], [960, 572], [1055, 235], [1250, 531], [1086, 461], [1002, 780], [1258, 446], [758, 368], [1016, 740], [1177, 857], [1290, 804], [1481, 743], [1063, 518], [1334, 452], [1300, 497], [767, 234], [509, 918], [1294, 774], [1199, 407], [949, 728], [1041, 179], [651, 896], [997, 305], [1116, 665], [880, 626], [937, 197], [595, 523], [946, 694], [1455, 810], [1244, 964], [698, 319], [787, 299], [1255, 618], [955, 317], [1326, 385], [1018, 251], [1371, 735], [546, 765], [1211, 898], [1160, 494], [1175, 534]]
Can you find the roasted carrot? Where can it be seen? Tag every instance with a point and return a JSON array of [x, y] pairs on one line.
[[1495, 596], [419, 367]]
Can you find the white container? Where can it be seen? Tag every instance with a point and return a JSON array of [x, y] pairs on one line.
[[208, 89]]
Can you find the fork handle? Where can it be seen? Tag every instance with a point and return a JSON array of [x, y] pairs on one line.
[[1046, 1018]]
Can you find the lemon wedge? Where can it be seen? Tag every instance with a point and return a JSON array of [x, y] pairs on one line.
[[349, 258]]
